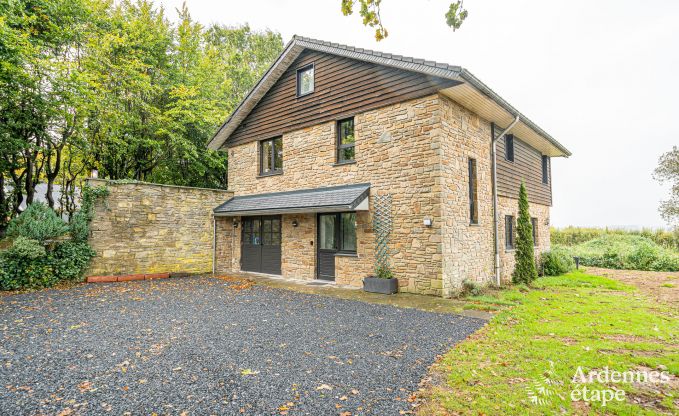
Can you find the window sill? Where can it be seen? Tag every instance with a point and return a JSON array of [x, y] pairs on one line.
[[472, 224], [340, 254], [305, 94], [266, 175], [351, 162], [510, 250]]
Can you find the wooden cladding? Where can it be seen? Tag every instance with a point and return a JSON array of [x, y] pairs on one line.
[[342, 88], [527, 166]]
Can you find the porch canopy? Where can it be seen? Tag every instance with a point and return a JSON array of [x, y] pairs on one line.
[[329, 199]]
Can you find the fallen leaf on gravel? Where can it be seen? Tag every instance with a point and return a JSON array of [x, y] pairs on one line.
[[177, 369], [345, 414], [67, 411], [343, 398], [248, 372], [323, 387], [354, 391]]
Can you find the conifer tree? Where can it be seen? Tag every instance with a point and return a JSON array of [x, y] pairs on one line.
[[524, 271]]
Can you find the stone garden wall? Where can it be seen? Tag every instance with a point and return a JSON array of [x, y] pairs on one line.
[[144, 228]]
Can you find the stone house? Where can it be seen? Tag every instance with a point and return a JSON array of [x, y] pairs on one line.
[[329, 129]]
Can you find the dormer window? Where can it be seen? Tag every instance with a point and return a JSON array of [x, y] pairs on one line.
[[305, 80]]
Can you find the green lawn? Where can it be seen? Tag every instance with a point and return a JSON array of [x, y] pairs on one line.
[[532, 349]]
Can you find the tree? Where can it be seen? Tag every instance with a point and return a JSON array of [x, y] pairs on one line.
[[370, 12], [524, 271], [668, 172]]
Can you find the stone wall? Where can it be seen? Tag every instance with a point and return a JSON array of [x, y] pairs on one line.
[[151, 228], [468, 249], [397, 151]]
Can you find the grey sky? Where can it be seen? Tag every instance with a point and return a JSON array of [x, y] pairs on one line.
[[602, 77]]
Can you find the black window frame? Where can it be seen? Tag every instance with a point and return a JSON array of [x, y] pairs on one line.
[[340, 146], [340, 234], [509, 147], [301, 70], [510, 229], [473, 192], [274, 170], [534, 224], [545, 169]]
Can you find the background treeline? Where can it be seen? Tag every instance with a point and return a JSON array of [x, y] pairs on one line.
[[117, 87]]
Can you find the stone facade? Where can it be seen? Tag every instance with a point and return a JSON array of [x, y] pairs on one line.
[[150, 228], [417, 151]]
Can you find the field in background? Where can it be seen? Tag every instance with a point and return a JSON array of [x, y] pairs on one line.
[[618, 249], [570, 236]]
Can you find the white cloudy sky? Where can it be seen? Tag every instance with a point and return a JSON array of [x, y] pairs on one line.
[[601, 76]]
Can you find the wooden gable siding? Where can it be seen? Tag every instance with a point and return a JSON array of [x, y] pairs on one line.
[[527, 166], [343, 87]]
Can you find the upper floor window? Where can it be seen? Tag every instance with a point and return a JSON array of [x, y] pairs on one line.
[[509, 147], [545, 169], [509, 232], [534, 223], [271, 156], [346, 142], [305, 80], [473, 193]]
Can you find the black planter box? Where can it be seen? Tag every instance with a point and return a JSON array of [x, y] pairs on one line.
[[378, 285]]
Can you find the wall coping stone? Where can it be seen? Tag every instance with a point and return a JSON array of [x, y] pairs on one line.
[[112, 182]]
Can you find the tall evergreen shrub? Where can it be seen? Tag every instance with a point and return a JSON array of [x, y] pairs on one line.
[[524, 271]]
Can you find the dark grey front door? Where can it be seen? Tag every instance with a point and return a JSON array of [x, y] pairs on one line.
[[261, 244], [327, 246]]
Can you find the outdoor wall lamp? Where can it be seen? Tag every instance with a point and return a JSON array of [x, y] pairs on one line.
[[235, 223], [295, 223], [427, 222]]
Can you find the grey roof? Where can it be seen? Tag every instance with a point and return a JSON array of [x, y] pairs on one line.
[[329, 199], [298, 43]]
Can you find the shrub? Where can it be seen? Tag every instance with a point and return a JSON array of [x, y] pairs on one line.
[[470, 287], [524, 271], [26, 264], [38, 222], [625, 251], [556, 262], [70, 259], [384, 273]]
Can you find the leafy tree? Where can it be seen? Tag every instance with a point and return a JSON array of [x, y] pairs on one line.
[[524, 271], [370, 12], [668, 172]]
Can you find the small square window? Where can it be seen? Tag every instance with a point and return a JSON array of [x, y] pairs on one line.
[[305, 80], [509, 148]]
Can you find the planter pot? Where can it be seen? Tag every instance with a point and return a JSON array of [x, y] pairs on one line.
[[378, 285]]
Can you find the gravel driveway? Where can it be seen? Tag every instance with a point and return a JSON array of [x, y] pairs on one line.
[[205, 346]]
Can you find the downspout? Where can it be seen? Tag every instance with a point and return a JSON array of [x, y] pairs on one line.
[[214, 244], [496, 218]]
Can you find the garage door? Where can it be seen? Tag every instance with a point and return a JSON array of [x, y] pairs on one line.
[[261, 244]]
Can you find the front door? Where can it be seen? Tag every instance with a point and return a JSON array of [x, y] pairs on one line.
[[261, 244], [327, 246]]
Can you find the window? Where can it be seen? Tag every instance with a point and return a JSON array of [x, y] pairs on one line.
[[305, 80], [346, 150], [473, 193], [545, 169], [534, 223], [509, 232], [509, 147], [271, 156], [348, 232]]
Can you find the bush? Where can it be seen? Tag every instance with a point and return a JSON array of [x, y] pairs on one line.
[[70, 259], [38, 222], [470, 287], [556, 262], [625, 251], [384, 273], [26, 264]]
